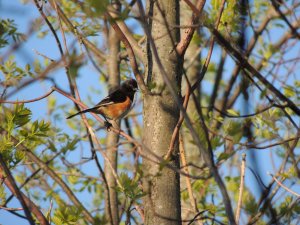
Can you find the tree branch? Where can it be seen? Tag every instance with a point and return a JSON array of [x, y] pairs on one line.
[[278, 10], [54, 176], [179, 123], [11, 184], [28, 101], [211, 47], [254, 73], [239, 205], [130, 52], [188, 180], [189, 32], [283, 186], [98, 53]]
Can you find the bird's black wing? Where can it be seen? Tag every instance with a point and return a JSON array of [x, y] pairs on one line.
[[117, 96]]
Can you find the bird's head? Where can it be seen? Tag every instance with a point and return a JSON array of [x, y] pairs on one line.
[[130, 85]]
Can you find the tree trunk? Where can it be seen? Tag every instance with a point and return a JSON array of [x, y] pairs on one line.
[[111, 202], [161, 113]]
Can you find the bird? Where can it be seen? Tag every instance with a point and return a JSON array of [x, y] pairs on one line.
[[116, 105]]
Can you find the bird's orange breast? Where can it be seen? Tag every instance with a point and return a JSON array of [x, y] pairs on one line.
[[116, 110]]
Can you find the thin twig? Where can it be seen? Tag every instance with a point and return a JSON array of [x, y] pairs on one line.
[[217, 82], [197, 215], [283, 186], [130, 52], [124, 28], [54, 176], [239, 205], [140, 211], [90, 130], [253, 71], [97, 52], [179, 123], [188, 33], [278, 10], [32, 176], [242, 60], [273, 104], [10, 209], [187, 179], [50, 209], [43, 55], [30, 100], [211, 47]]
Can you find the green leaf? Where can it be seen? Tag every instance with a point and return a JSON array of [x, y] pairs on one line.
[[5, 144], [52, 146], [129, 187], [27, 67], [211, 208], [23, 133], [8, 30], [250, 205], [233, 112], [72, 145], [34, 126], [223, 156], [216, 142], [98, 8], [19, 155], [2, 195], [56, 220], [22, 115], [289, 91]]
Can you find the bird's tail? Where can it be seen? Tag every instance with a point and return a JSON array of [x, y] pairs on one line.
[[76, 114]]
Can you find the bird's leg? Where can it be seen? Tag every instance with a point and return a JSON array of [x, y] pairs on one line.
[[107, 124]]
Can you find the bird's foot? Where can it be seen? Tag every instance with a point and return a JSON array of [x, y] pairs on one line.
[[108, 125]]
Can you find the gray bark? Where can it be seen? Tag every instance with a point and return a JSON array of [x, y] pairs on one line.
[[161, 113]]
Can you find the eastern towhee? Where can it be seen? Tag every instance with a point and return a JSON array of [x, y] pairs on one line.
[[117, 104]]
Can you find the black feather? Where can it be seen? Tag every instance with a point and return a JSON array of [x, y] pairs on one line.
[[83, 111]]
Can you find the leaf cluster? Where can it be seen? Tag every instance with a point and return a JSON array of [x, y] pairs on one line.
[[8, 30]]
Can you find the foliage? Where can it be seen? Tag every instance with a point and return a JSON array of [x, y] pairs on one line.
[[246, 116], [8, 30]]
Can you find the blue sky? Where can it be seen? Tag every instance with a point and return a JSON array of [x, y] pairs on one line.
[[88, 79]]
